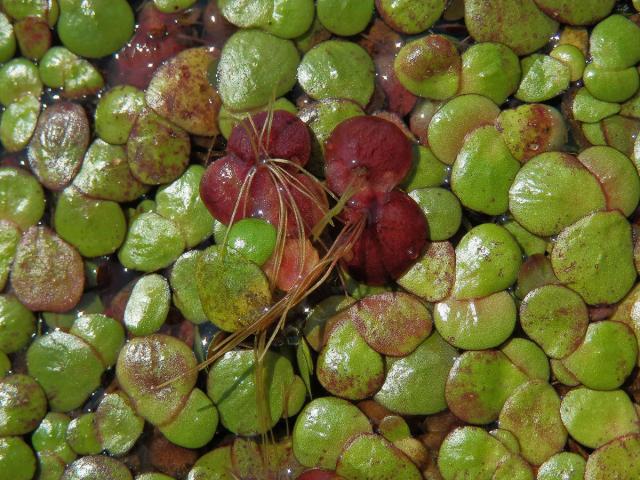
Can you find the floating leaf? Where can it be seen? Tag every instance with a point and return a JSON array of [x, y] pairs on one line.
[[233, 290], [47, 273], [58, 144]]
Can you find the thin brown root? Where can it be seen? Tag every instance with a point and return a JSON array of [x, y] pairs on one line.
[[290, 201], [262, 408], [307, 173], [293, 207], [302, 188], [308, 284], [281, 236], [350, 191], [266, 127], [210, 153], [316, 277], [242, 197], [252, 134], [343, 281], [269, 123]]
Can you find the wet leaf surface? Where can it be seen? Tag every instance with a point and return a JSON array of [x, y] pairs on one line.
[[59, 143], [47, 272], [180, 92]]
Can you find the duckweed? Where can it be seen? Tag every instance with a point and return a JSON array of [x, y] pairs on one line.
[[317, 240]]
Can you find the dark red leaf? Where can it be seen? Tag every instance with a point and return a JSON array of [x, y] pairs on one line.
[[287, 138], [394, 237], [402, 232], [157, 38], [220, 187], [368, 152]]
